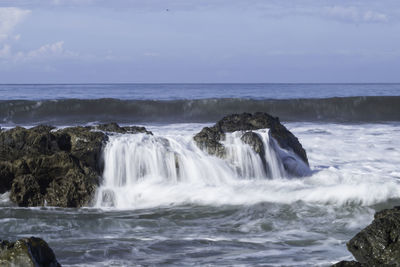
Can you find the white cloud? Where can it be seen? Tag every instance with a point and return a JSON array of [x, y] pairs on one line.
[[371, 16], [9, 18], [48, 51], [353, 14]]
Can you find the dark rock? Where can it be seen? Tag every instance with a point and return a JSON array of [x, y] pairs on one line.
[[26, 191], [6, 176], [85, 145], [58, 179], [31, 251], [379, 243], [58, 168], [18, 142], [115, 128], [348, 264], [209, 138], [255, 142]]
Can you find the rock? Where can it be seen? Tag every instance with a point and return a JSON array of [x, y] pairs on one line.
[[253, 140], [31, 251], [209, 138], [379, 243], [6, 176], [58, 168], [26, 191], [115, 128], [348, 264], [256, 143], [84, 144]]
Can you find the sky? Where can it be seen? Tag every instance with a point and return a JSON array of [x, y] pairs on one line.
[[202, 41]]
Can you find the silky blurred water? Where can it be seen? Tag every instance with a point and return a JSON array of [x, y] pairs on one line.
[[279, 222]]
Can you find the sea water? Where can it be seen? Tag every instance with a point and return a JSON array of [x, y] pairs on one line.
[[216, 212]]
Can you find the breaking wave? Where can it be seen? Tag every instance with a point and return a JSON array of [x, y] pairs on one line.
[[78, 111]]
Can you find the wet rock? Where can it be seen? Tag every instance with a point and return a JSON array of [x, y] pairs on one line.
[[209, 137], [256, 143], [253, 140], [28, 252], [379, 243], [209, 140], [58, 168]]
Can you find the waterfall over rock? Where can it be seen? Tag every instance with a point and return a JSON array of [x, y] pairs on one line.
[[136, 164]]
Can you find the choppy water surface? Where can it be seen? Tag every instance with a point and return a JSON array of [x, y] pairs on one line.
[[273, 222]]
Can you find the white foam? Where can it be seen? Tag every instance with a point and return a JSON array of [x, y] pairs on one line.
[[140, 170], [144, 171]]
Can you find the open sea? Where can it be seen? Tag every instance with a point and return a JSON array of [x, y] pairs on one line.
[[215, 212]]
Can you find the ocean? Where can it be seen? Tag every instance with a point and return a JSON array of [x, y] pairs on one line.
[[215, 212]]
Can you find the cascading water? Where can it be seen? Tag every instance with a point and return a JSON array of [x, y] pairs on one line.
[[140, 165]]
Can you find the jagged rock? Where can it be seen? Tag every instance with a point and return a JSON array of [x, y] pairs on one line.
[[209, 137], [58, 168], [29, 252], [379, 243]]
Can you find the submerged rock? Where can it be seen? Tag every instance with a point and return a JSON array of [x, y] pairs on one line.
[[209, 138], [59, 168], [28, 252]]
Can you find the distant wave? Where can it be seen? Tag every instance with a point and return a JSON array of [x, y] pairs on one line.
[[78, 111]]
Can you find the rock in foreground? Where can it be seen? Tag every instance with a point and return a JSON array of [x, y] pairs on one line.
[[209, 139], [58, 168], [379, 243], [29, 252]]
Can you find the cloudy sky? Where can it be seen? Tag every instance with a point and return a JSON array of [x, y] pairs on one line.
[[78, 41]]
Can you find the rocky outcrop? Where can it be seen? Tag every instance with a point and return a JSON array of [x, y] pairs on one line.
[[60, 168], [209, 139], [379, 243], [29, 252]]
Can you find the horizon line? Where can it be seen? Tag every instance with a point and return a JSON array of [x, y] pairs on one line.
[[193, 83]]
